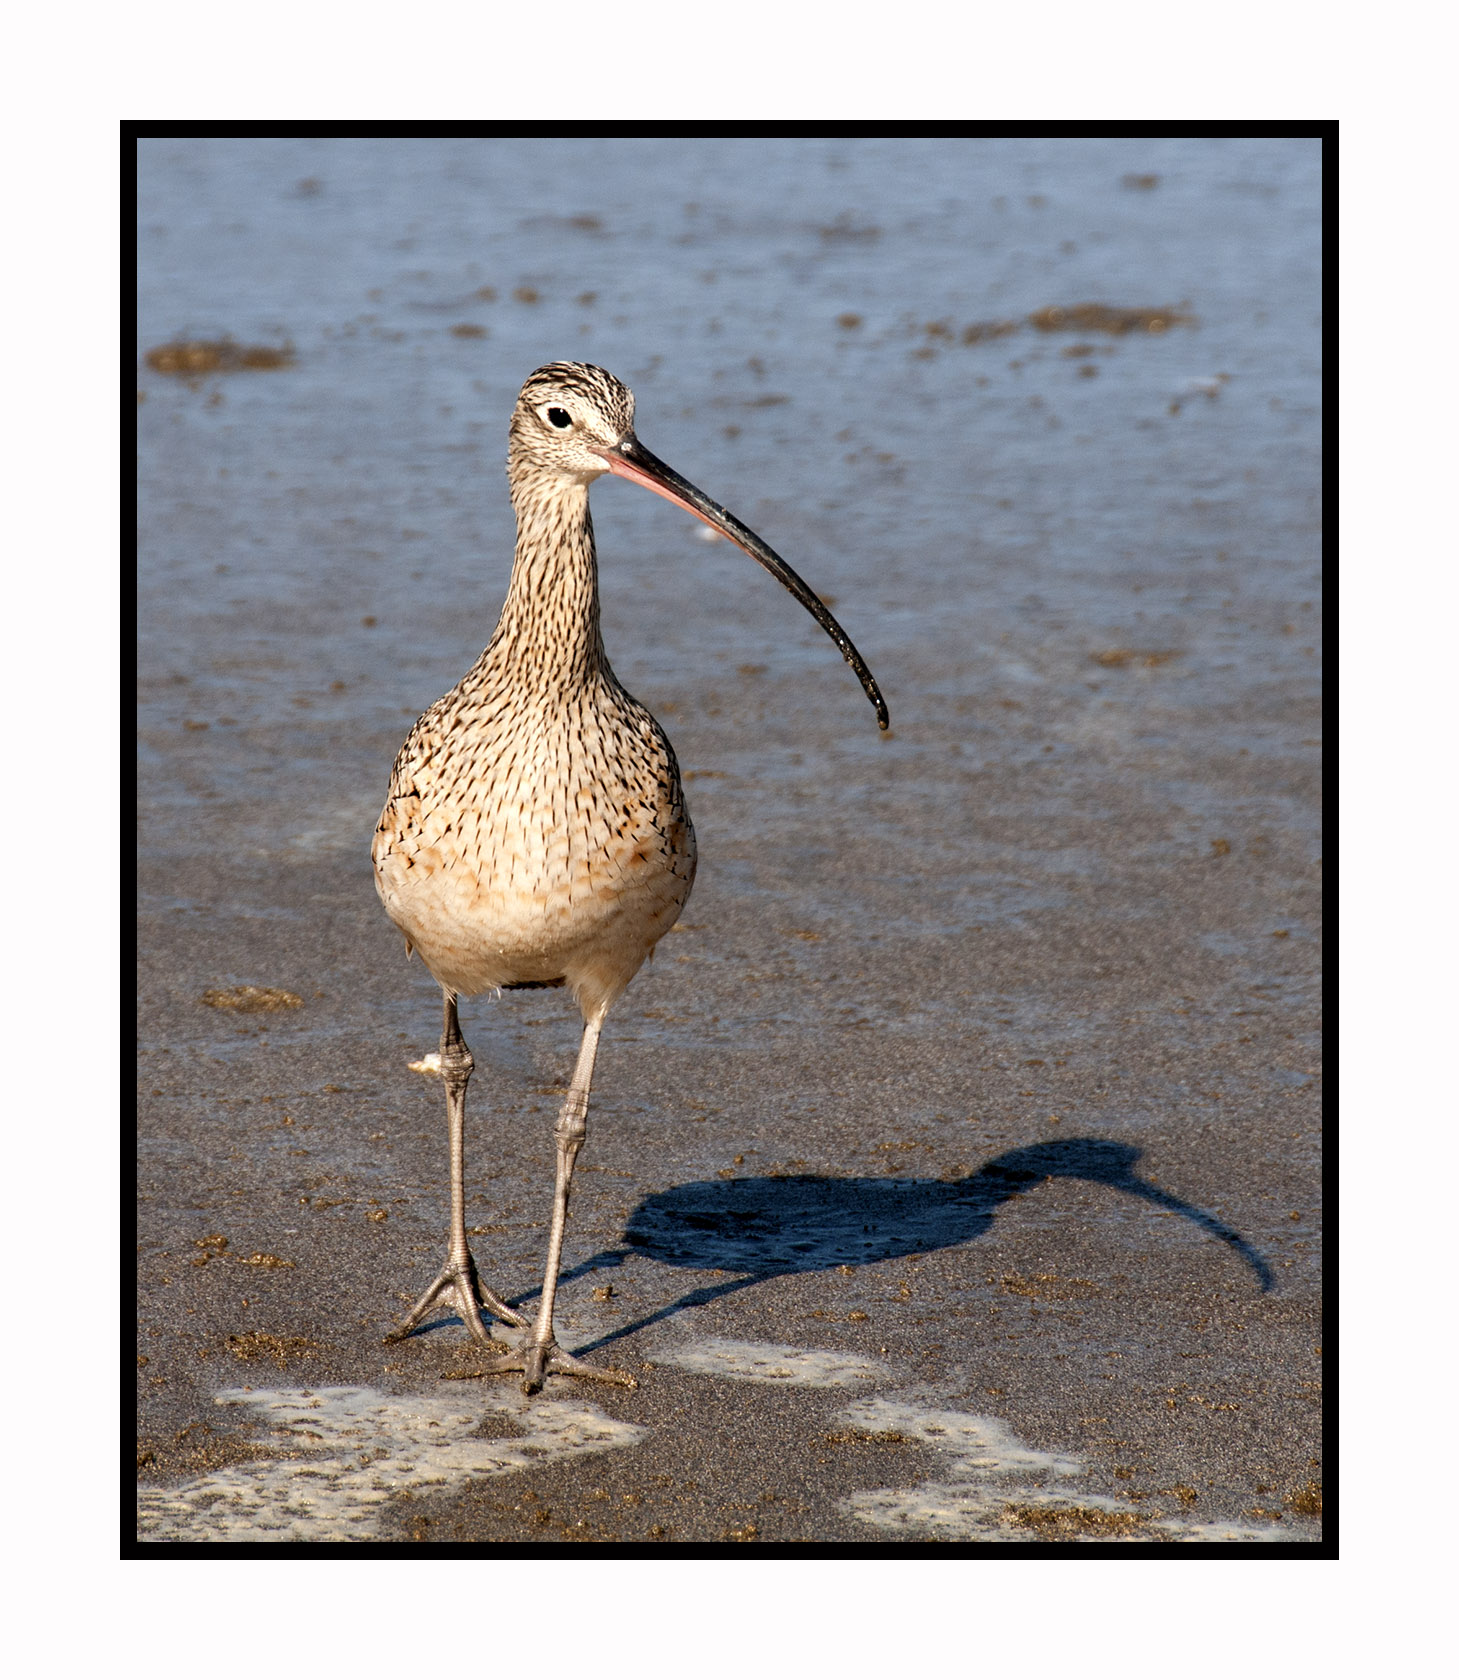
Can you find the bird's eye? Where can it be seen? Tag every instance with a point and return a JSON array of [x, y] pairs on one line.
[[560, 418]]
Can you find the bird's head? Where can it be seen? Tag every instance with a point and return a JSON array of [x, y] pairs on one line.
[[568, 416]]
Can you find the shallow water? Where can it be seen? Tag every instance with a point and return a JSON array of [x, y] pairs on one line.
[[941, 492]]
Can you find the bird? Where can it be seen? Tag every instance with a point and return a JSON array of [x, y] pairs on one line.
[[535, 831]]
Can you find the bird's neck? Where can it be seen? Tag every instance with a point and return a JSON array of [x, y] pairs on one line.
[[548, 631]]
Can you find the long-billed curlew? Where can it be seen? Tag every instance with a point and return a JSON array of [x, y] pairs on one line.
[[535, 832]]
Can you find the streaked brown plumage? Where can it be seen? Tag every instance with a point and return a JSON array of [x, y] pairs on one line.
[[535, 831]]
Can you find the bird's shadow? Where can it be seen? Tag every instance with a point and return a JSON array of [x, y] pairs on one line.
[[770, 1227]]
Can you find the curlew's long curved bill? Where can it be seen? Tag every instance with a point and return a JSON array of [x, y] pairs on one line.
[[630, 460]]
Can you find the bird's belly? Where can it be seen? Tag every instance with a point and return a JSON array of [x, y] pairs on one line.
[[532, 895]]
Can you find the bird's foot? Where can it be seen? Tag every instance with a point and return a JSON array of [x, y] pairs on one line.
[[459, 1285], [539, 1360]]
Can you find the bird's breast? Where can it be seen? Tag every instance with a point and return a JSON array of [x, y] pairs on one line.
[[535, 828]]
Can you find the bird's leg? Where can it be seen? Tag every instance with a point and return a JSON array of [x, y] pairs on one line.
[[539, 1356], [458, 1281]]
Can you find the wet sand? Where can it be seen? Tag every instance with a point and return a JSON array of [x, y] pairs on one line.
[[953, 1170]]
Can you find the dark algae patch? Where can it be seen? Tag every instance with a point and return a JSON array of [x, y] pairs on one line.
[[252, 1000], [1102, 317], [255, 1346], [1074, 1522], [1113, 320], [191, 358], [1306, 1500]]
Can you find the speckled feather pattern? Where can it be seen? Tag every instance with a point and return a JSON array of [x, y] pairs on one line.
[[536, 828]]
